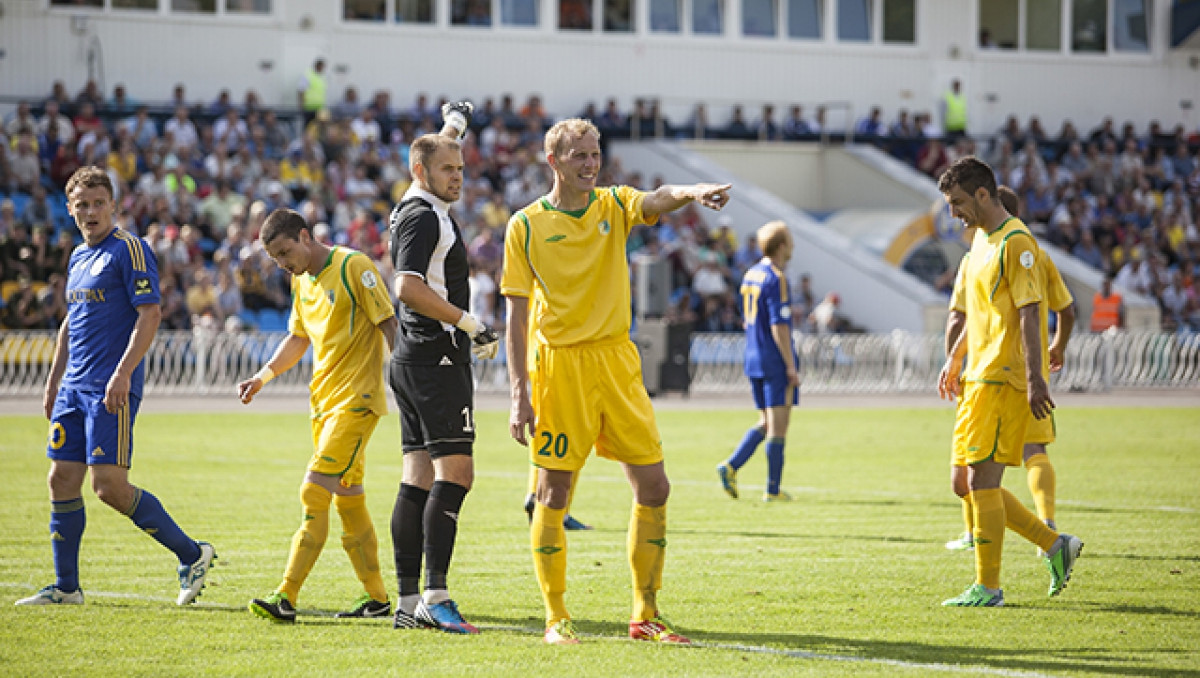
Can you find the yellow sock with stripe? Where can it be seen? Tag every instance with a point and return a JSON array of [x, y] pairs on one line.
[[308, 540], [989, 535], [647, 546], [1041, 478], [360, 542], [549, 542], [1022, 521]]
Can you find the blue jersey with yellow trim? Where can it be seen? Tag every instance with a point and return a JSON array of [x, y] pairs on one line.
[[765, 302], [105, 285]]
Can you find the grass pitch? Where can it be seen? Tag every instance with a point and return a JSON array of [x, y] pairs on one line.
[[847, 579]]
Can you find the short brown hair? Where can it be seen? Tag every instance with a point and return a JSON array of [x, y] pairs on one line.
[[89, 177], [565, 129], [283, 222], [970, 174], [1008, 198], [424, 146], [772, 236]]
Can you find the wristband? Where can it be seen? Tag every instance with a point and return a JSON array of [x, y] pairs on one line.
[[264, 374], [469, 324]]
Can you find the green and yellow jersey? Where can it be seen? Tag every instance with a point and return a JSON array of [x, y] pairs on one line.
[[572, 266], [338, 310]]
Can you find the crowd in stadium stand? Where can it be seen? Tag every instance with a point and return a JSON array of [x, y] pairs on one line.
[[197, 180]]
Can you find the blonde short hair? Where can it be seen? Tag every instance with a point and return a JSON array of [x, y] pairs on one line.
[[563, 130], [772, 236], [425, 146]]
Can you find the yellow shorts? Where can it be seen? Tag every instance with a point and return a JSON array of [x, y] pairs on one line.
[[1040, 431], [990, 425], [591, 396], [340, 445]]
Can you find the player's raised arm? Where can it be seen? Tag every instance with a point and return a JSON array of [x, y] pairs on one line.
[[671, 197]]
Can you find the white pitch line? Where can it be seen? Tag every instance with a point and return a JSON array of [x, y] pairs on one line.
[[731, 647]]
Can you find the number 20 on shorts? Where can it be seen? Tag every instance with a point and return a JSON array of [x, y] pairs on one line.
[[553, 444]]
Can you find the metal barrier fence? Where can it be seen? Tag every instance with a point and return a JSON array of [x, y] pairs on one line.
[[199, 363]]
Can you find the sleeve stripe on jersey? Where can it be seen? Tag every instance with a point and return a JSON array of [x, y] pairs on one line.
[[783, 285], [136, 255], [1003, 248], [528, 259], [346, 284], [616, 197]]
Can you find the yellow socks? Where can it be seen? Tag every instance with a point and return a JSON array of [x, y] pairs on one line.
[[989, 535], [358, 538], [1022, 521], [1040, 475], [308, 540], [549, 542], [968, 510], [647, 545]]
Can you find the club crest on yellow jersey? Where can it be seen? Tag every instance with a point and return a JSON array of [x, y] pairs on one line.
[[604, 227]]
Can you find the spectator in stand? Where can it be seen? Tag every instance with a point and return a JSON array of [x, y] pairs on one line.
[[90, 94], [933, 159], [53, 301], [123, 160], [1136, 275], [824, 318], [229, 296], [231, 131], [24, 167], [219, 207], [736, 128], [349, 107], [796, 127], [1108, 309], [86, 119], [23, 310], [1088, 251], [766, 129], [21, 121], [141, 128], [699, 123], [1175, 303], [181, 130], [954, 112], [37, 210], [52, 117], [872, 125]]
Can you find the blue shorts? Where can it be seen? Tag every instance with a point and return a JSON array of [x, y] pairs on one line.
[[774, 392], [82, 430]]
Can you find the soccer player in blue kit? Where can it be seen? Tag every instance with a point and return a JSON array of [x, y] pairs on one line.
[[771, 360], [94, 390]]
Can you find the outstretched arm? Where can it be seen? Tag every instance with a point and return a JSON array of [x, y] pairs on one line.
[[670, 197]]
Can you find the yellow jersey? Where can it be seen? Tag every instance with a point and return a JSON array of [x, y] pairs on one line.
[[998, 279], [1054, 291], [573, 267], [338, 310]]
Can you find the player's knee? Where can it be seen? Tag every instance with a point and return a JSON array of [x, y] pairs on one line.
[[654, 492], [314, 497], [118, 495]]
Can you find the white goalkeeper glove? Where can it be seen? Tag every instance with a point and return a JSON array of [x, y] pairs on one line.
[[457, 114], [485, 343]]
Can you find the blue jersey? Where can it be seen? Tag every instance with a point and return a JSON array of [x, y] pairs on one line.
[[105, 286], [765, 302]]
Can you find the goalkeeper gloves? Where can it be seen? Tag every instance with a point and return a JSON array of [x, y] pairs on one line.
[[485, 343], [457, 114]]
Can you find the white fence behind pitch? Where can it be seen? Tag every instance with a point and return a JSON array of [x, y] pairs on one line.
[[212, 364]]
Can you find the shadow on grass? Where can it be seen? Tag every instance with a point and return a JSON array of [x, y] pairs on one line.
[[881, 651]]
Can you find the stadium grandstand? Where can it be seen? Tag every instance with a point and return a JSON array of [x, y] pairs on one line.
[[833, 115]]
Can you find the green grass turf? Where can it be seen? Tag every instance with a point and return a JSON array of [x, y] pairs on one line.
[[854, 569]]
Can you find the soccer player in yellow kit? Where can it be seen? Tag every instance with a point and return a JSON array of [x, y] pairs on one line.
[[342, 309], [1003, 382], [1040, 432], [575, 374]]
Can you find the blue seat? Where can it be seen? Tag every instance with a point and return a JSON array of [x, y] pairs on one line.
[[249, 318], [271, 320]]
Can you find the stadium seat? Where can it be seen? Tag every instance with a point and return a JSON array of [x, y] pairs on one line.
[[249, 318], [271, 320]]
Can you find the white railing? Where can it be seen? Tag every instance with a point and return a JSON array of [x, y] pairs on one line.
[[210, 364]]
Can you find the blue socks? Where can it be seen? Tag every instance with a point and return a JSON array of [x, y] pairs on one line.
[[746, 448], [148, 514], [67, 520], [774, 464]]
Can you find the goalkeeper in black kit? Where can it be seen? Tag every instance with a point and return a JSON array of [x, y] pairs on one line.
[[431, 375]]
